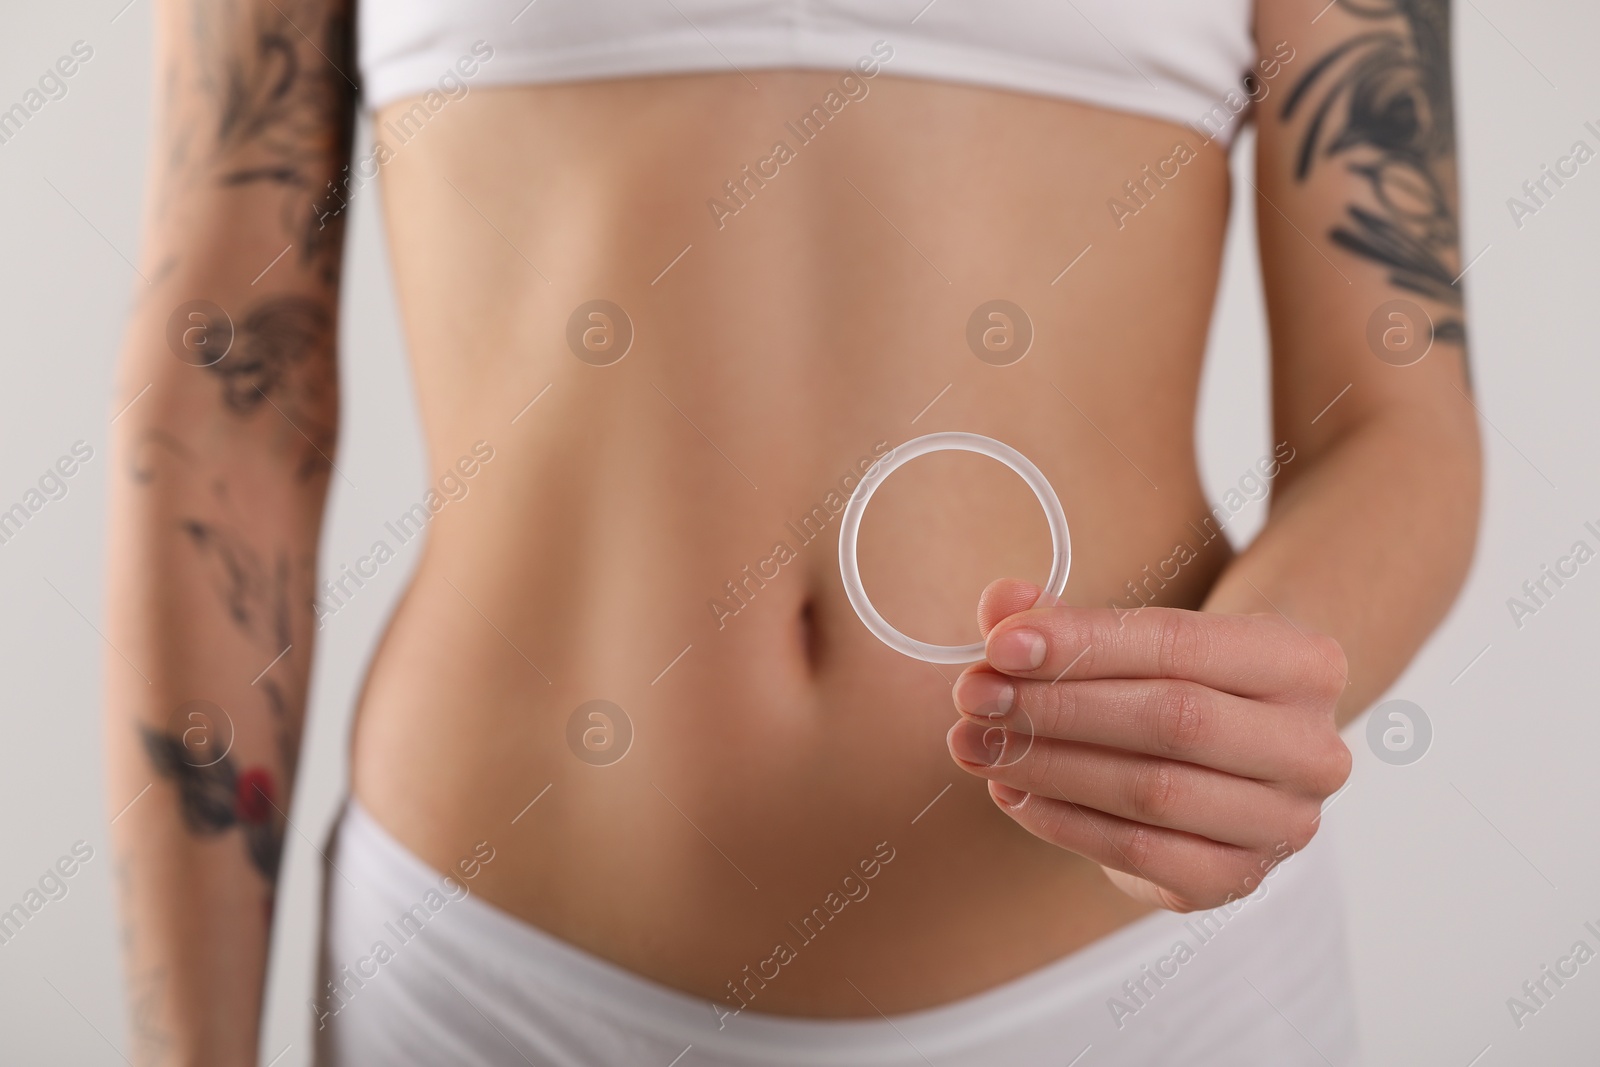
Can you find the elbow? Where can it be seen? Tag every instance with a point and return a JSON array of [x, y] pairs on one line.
[[256, 389], [1435, 460], [270, 432], [1417, 471]]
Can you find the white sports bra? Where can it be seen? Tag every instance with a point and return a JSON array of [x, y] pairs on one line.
[[1172, 59]]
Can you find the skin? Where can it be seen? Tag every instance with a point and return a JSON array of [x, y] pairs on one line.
[[1186, 753], [589, 538]]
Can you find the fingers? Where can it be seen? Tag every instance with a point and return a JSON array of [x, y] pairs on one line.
[[1249, 655], [1004, 597], [1141, 789], [1186, 752], [1176, 719], [1184, 872]]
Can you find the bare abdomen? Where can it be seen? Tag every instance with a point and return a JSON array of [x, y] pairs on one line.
[[658, 533]]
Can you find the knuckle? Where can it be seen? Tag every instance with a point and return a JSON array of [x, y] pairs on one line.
[[1039, 766], [1057, 705], [1182, 644], [1136, 846], [1180, 718], [1153, 792], [1048, 822], [1076, 643]]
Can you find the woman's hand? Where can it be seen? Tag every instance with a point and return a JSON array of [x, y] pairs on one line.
[[1187, 753]]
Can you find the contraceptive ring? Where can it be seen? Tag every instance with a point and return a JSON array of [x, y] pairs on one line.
[[850, 527]]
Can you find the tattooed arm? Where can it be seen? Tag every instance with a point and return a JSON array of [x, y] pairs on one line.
[[1373, 524], [223, 461]]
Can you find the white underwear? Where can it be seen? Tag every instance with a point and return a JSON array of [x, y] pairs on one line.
[[1260, 983]]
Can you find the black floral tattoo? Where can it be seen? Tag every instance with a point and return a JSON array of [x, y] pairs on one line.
[[254, 591], [215, 797], [283, 734], [278, 342], [1381, 101], [282, 357], [260, 598]]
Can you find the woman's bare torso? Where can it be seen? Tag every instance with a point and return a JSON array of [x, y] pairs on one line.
[[777, 745]]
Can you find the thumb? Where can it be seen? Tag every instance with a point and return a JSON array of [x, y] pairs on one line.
[[1004, 597]]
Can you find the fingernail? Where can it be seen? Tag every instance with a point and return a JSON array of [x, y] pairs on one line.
[[1017, 650], [975, 743], [985, 694], [1007, 796]]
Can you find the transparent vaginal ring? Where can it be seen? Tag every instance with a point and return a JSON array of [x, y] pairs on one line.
[[850, 528]]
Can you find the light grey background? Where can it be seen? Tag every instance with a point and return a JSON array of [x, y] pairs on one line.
[[1465, 872]]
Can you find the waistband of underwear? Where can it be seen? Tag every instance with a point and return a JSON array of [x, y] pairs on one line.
[[390, 875]]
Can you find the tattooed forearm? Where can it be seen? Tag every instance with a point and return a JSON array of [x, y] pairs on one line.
[[254, 592], [1381, 102], [260, 599], [283, 732], [258, 592], [214, 797], [266, 603]]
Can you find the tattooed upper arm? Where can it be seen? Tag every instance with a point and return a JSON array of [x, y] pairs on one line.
[[286, 96], [1380, 104], [260, 95], [1358, 208]]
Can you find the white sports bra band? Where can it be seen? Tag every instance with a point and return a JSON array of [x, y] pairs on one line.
[[1184, 61]]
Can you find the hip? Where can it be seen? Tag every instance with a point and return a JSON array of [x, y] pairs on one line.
[[417, 969]]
